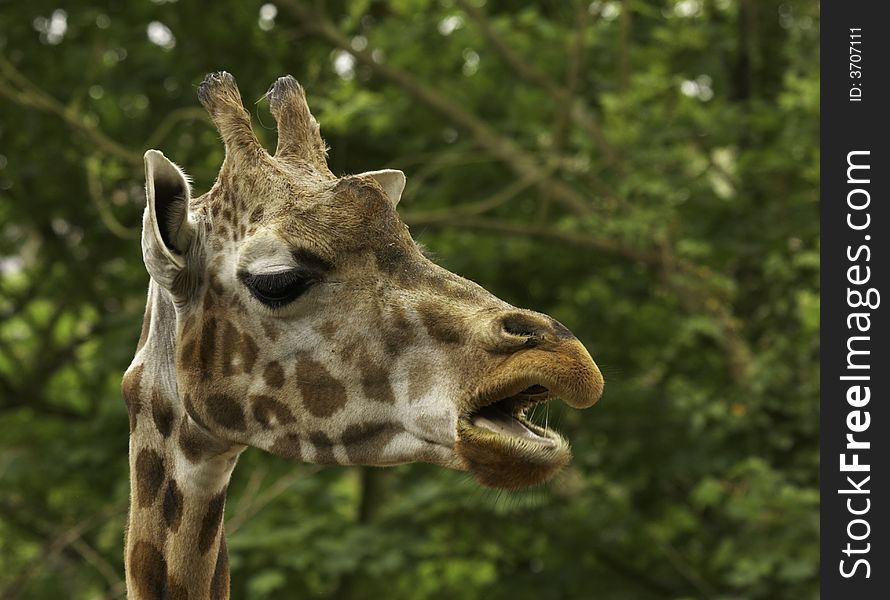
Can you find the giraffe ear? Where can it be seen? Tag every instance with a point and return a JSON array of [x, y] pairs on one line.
[[392, 182], [167, 231]]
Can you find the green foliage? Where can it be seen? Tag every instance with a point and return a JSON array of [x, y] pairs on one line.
[[671, 223]]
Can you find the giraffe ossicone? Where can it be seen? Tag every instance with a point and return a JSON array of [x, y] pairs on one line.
[[290, 310]]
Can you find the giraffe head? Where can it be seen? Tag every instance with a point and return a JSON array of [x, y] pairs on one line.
[[311, 325]]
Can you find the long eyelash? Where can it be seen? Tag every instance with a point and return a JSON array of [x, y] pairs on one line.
[[278, 289], [273, 280]]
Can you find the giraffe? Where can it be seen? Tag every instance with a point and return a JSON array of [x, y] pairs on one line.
[[290, 310]]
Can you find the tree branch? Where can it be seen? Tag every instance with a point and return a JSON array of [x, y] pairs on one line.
[[439, 219], [573, 71], [58, 542], [624, 45], [521, 162], [24, 92], [477, 208], [92, 168], [52, 359], [563, 96], [257, 502], [30, 95], [186, 113]]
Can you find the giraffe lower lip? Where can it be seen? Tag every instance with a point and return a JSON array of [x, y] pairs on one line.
[[504, 450]]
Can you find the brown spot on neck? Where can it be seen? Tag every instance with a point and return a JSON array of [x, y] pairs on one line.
[[440, 324], [172, 506], [375, 382], [324, 448], [149, 476], [211, 522], [148, 571], [226, 411], [219, 585], [322, 394], [273, 374], [176, 591], [398, 331], [162, 413], [207, 347], [188, 351]]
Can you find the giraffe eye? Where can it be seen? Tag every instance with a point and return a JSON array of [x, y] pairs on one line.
[[277, 289]]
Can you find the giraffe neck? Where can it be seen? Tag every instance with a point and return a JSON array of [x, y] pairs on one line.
[[175, 544]]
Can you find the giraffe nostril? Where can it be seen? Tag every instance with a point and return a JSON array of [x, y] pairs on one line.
[[522, 325]]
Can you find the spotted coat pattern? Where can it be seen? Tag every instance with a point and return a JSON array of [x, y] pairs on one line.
[[373, 363]]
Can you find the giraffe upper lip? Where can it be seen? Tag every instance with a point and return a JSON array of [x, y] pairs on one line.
[[564, 371]]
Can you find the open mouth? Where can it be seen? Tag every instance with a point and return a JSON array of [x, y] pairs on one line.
[[497, 441], [509, 418], [501, 445]]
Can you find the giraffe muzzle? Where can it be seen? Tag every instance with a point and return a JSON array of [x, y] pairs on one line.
[[496, 437]]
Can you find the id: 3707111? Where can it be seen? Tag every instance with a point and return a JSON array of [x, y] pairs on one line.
[[855, 64]]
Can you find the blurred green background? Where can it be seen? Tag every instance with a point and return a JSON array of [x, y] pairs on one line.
[[644, 171]]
